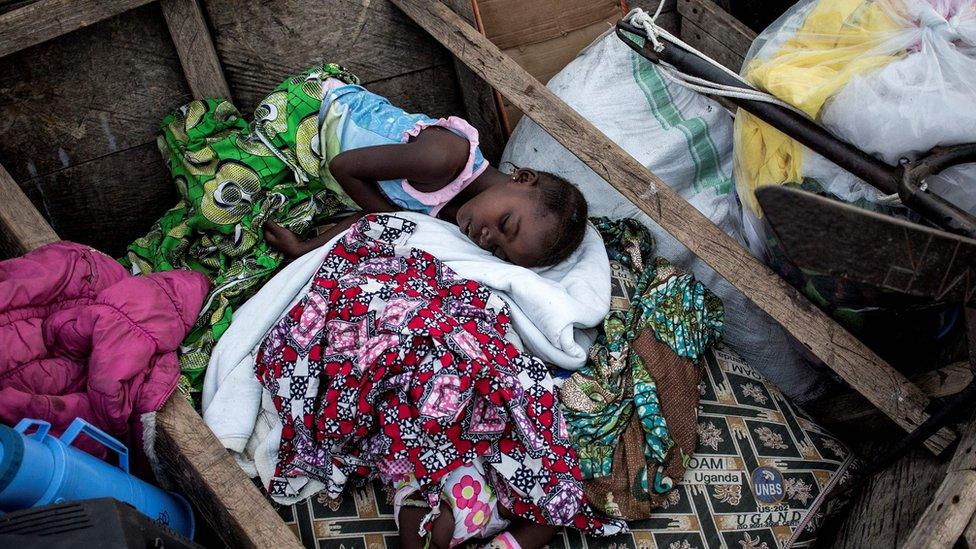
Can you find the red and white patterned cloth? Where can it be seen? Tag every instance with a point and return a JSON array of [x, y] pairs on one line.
[[392, 363]]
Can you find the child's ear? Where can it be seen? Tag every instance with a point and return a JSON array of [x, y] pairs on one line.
[[525, 176]]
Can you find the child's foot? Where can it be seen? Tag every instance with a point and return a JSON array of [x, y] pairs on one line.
[[441, 531]]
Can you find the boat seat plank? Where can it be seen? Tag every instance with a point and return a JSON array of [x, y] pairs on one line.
[[195, 48], [703, 41], [952, 508], [22, 227], [718, 24], [43, 20]]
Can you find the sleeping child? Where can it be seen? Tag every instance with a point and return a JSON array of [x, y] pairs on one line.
[[320, 143], [383, 159], [378, 158]]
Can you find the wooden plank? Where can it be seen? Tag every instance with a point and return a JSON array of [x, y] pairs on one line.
[[969, 534], [261, 43], [669, 21], [718, 24], [207, 474], [851, 407], [195, 47], [21, 226], [865, 371], [107, 202], [478, 97], [883, 511], [952, 508], [515, 23], [62, 104], [704, 42], [43, 20]]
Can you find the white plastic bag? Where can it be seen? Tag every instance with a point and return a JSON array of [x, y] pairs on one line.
[[893, 77]]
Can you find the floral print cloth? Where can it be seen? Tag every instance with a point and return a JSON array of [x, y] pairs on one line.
[[614, 388], [393, 365], [470, 497], [232, 177]]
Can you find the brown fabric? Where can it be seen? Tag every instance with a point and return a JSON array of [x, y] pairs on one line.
[[677, 381], [622, 493]]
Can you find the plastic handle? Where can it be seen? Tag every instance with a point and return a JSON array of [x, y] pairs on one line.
[[79, 426], [42, 427]]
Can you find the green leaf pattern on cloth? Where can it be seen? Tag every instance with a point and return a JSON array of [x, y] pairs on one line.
[[233, 176]]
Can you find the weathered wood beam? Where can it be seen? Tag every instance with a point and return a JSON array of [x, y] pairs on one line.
[[711, 30], [195, 48], [22, 227], [952, 508], [718, 24], [207, 474], [43, 20], [478, 97], [193, 457], [969, 535], [705, 42], [884, 386]]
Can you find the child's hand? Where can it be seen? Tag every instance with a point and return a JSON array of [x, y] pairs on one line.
[[283, 240]]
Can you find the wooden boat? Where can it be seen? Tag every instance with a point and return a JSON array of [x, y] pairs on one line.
[[86, 81]]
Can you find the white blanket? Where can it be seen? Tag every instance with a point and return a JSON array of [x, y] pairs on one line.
[[553, 311]]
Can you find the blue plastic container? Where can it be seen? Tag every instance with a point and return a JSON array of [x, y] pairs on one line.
[[38, 469]]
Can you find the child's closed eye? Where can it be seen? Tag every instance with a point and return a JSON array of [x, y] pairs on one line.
[[504, 223]]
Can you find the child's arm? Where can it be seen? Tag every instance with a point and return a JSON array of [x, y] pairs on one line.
[[289, 243], [430, 161], [433, 159]]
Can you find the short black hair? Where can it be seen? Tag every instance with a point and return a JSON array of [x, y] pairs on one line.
[[562, 199]]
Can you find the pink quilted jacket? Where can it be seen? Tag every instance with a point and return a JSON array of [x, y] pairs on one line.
[[80, 337]]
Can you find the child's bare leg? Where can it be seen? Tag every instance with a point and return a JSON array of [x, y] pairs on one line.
[[528, 534], [441, 531]]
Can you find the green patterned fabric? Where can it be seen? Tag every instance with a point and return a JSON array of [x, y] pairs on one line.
[[615, 383], [233, 176]]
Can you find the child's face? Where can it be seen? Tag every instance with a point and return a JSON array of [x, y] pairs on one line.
[[506, 220]]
